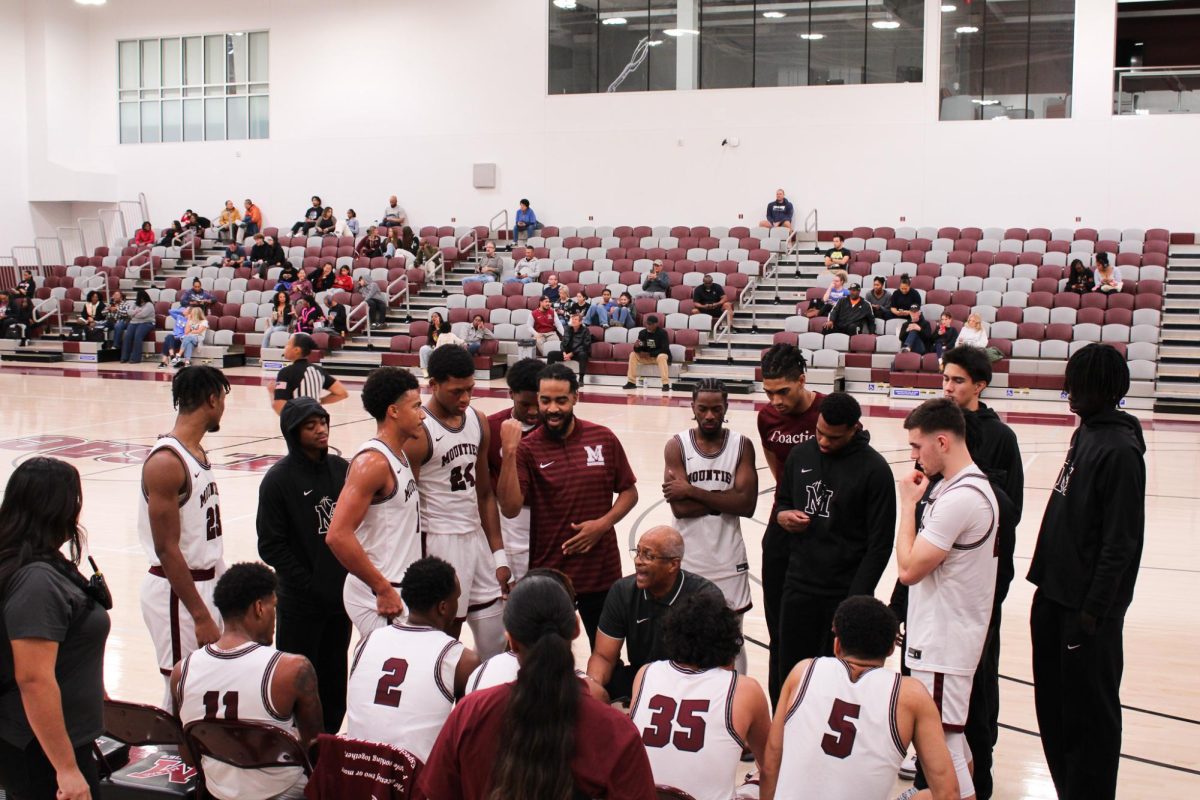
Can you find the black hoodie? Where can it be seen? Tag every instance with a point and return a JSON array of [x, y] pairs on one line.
[[850, 497], [295, 505], [1090, 544]]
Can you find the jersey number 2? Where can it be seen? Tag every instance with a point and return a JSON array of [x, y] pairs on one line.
[[462, 479], [840, 744], [691, 738], [213, 523], [387, 691], [212, 703]]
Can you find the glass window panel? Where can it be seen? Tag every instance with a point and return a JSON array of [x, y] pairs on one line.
[[193, 60], [962, 61], [214, 120], [664, 51], [128, 69], [258, 57], [837, 58], [259, 122], [894, 54], [726, 44], [193, 120], [780, 49], [1005, 59], [172, 65], [150, 123], [215, 52], [172, 121], [624, 47], [237, 58], [1051, 58], [258, 88], [127, 95], [150, 63], [236, 118], [129, 123]]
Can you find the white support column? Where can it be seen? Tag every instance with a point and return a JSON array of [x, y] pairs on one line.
[[687, 46]]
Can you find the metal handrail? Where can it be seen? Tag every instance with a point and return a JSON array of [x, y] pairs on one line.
[[435, 266], [55, 243], [84, 234], [108, 216], [397, 288], [55, 311], [723, 330], [364, 321], [37, 256], [471, 247], [503, 213], [74, 236]]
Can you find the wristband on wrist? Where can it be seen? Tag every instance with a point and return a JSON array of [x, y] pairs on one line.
[[500, 558]]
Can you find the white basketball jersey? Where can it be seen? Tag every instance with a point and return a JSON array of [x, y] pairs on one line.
[[401, 687], [390, 533], [840, 740], [685, 718], [950, 608], [236, 684], [448, 501], [499, 669], [200, 539], [713, 545]]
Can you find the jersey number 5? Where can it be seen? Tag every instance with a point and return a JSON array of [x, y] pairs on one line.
[[387, 691], [462, 479], [840, 745], [691, 738], [213, 522], [212, 703]]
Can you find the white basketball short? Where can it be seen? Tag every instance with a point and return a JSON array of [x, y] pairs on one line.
[[360, 605], [515, 533], [171, 626], [472, 560], [951, 694], [736, 589]]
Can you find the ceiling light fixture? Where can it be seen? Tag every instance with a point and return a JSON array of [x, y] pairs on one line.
[[565, 5], [885, 24], [812, 37], [967, 29], [677, 32], [654, 42], [774, 14], [615, 21], [947, 8]]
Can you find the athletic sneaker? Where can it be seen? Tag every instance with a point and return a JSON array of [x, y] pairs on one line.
[[629, 385], [908, 770], [907, 794]]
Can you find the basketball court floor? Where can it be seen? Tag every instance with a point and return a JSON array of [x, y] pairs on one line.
[[102, 420]]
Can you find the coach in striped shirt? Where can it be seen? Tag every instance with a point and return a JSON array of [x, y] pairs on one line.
[[302, 379]]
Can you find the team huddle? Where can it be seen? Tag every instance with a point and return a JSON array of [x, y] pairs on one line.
[[449, 516]]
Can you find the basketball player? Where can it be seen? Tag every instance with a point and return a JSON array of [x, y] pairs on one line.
[[849, 720], [522, 390], [695, 713], [179, 522], [950, 567], [459, 517], [242, 677], [711, 482], [375, 530], [406, 676], [789, 418]]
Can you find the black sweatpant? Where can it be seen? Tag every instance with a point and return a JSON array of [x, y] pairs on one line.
[[1077, 681], [776, 549], [26, 773], [806, 628], [322, 635], [590, 604]]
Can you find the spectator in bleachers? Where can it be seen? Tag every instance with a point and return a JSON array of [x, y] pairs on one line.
[[310, 217], [945, 334], [973, 334], [1108, 280], [263, 254], [141, 322], [1079, 278], [579, 305], [371, 245], [903, 300], [116, 318], [351, 223], [779, 213], [879, 297], [288, 274], [144, 236], [234, 255], [281, 314], [838, 257], [598, 312], [227, 221], [916, 335], [394, 216], [6, 318], [476, 335], [409, 242], [326, 224], [652, 347], [524, 270], [576, 345], [301, 288], [20, 313], [393, 244], [322, 278], [172, 341], [335, 317], [92, 312], [657, 284], [196, 296], [193, 333], [375, 299], [251, 220], [438, 330], [171, 235], [546, 325], [709, 298], [27, 286], [561, 302], [623, 314], [526, 222], [489, 268], [550, 290], [306, 314], [834, 293], [343, 282], [852, 314], [425, 254]]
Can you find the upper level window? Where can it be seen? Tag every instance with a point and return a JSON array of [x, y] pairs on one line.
[[193, 88], [1158, 63]]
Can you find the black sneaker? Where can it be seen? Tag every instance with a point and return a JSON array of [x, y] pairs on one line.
[[629, 385], [666, 387]]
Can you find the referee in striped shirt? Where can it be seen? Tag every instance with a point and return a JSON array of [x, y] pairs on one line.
[[303, 379]]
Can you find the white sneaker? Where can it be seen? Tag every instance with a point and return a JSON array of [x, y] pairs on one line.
[[908, 770], [906, 794]]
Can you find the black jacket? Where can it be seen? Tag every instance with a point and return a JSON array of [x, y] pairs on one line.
[[652, 344], [295, 505], [925, 333], [1090, 544], [846, 314], [578, 343], [850, 497]]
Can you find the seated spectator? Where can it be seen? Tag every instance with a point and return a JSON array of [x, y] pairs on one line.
[[579, 305], [304, 378], [343, 282], [652, 347], [172, 235], [439, 330], [701, 637], [196, 296], [306, 314], [903, 300], [371, 245], [551, 287], [234, 255], [852, 314], [116, 317], [1108, 280], [92, 312], [287, 278], [335, 317], [879, 297], [834, 292], [542, 736], [945, 334], [545, 325], [524, 270], [709, 298], [141, 322], [635, 607], [915, 335], [322, 277], [779, 213], [526, 223], [301, 288], [657, 283], [489, 268], [281, 314], [311, 216], [408, 713], [426, 252], [252, 220], [144, 236], [326, 224], [19, 317], [351, 223], [173, 343], [272, 687], [838, 257], [476, 335], [7, 320], [27, 286], [264, 254], [227, 221], [1079, 278], [601, 307], [622, 314], [576, 345], [376, 301], [394, 216], [973, 334], [193, 333], [560, 303]]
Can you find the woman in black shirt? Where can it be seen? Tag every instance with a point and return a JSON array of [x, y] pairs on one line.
[[54, 626], [1079, 279]]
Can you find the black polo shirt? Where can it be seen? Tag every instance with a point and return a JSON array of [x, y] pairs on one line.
[[708, 295], [632, 614], [302, 379]]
